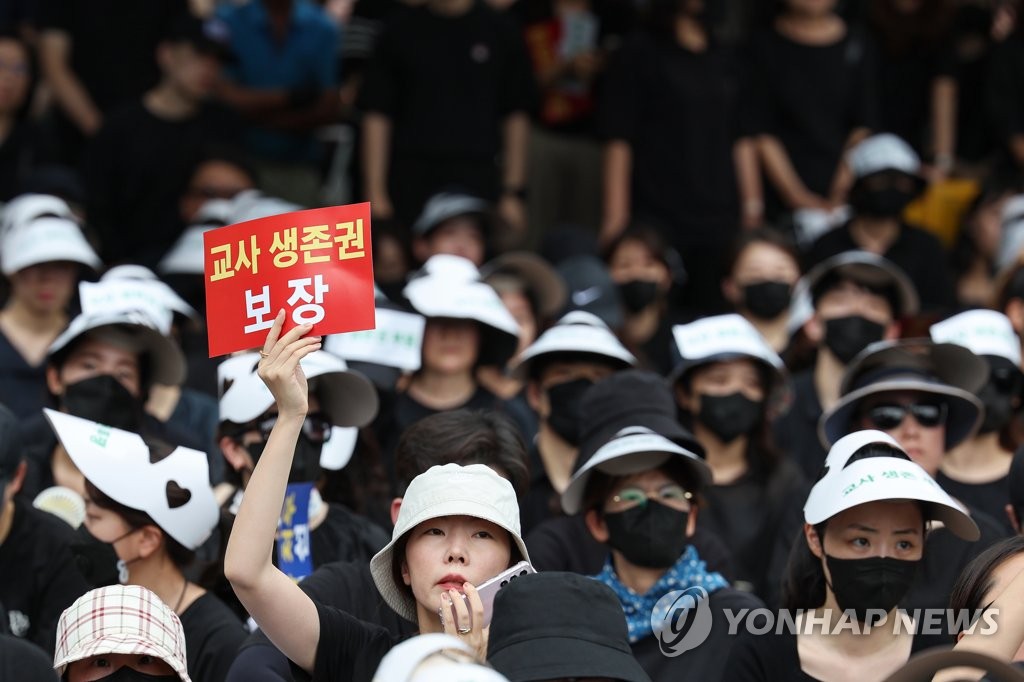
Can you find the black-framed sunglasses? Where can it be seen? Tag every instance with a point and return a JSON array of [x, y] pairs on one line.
[[887, 417], [316, 427]]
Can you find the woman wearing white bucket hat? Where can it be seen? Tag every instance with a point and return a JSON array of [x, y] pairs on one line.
[[864, 537], [457, 527]]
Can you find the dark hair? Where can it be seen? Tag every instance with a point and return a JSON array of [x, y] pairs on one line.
[[229, 154], [651, 238], [803, 586], [761, 235], [462, 437], [900, 33], [540, 364], [976, 580], [180, 555], [834, 279], [600, 485]]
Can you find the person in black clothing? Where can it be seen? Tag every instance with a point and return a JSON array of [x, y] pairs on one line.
[[678, 156], [858, 298], [559, 367], [41, 578], [18, 136], [854, 563], [137, 167], [448, 91], [727, 385], [886, 174]]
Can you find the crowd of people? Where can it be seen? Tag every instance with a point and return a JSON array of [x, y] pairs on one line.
[[686, 310]]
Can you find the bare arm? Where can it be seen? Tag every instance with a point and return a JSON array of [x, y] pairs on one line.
[[748, 181], [513, 176], [842, 181], [71, 95], [944, 94], [618, 165], [779, 169], [283, 611], [376, 151]]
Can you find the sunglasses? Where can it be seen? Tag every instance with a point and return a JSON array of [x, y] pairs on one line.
[[887, 417], [316, 427]]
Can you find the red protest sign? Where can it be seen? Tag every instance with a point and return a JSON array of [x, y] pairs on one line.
[[315, 264]]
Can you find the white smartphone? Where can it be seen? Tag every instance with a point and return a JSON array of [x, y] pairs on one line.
[[489, 588]]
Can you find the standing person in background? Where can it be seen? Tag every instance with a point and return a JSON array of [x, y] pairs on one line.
[[676, 156], [18, 136], [447, 98], [812, 83]]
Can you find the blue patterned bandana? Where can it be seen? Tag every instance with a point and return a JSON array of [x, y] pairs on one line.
[[688, 571]]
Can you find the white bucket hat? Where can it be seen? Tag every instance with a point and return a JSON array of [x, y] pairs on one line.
[[446, 490], [120, 619], [983, 332], [578, 332], [873, 479], [25, 208], [45, 240], [346, 396], [166, 361], [146, 280], [119, 464], [450, 287]]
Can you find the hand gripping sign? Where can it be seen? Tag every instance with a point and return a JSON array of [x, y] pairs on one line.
[[315, 264]]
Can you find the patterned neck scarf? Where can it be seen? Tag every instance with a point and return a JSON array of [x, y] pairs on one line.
[[688, 571]]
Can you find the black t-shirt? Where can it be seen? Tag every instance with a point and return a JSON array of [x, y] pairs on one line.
[[22, 386], [541, 501], [349, 649], [113, 42], [18, 155], [1005, 101], [679, 111], [212, 637], [916, 251], [990, 498], [447, 82], [773, 657], [136, 170], [40, 576], [23, 662], [749, 514], [707, 661], [811, 97], [796, 432]]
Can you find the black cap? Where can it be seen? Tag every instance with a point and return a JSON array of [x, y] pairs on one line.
[[210, 36], [10, 444], [631, 397], [581, 632]]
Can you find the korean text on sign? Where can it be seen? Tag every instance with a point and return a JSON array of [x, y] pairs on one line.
[[314, 264]]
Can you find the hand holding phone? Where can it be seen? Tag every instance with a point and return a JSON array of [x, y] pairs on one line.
[[489, 589]]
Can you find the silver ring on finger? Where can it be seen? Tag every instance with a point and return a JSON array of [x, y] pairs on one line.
[[465, 631]]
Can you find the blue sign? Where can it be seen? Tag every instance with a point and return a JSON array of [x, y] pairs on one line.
[[293, 549]]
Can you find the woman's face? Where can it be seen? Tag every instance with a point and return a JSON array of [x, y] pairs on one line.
[[45, 288], [724, 378], [450, 346], [93, 357], [444, 553], [893, 529], [1001, 577], [14, 76], [632, 260], [519, 307], [102, 665], [109, 527]]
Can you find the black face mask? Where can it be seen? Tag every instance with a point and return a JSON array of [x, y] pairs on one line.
[[652, 535], [872, 583], [767, 300], [637, 294], [105, 400], [729, 416], [128, 674], [880, 203], [565, 408], [847, 336], [305, 462]]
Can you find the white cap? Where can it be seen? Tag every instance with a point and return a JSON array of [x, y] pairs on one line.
[[633, 450], [983, 332], [346, 396], [338, 449], [721, 338], [25, 208], [446, 490], [45, 240], [395, 341], [874, 479], [251, 204], [118, 463], [400, 663], [143, 276], [883, 152], [577, 332]]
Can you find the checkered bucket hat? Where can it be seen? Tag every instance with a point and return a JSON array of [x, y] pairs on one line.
[[120, 619]]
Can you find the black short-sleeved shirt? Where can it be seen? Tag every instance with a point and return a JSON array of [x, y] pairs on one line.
[[749, 514], [447, 82], [916, 251], [349, 649], [40, 576], [113, 42], [136, 170], [22, 386], [796, 432], [990, 498], [679, 112], [811, 97], [212, 637]]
